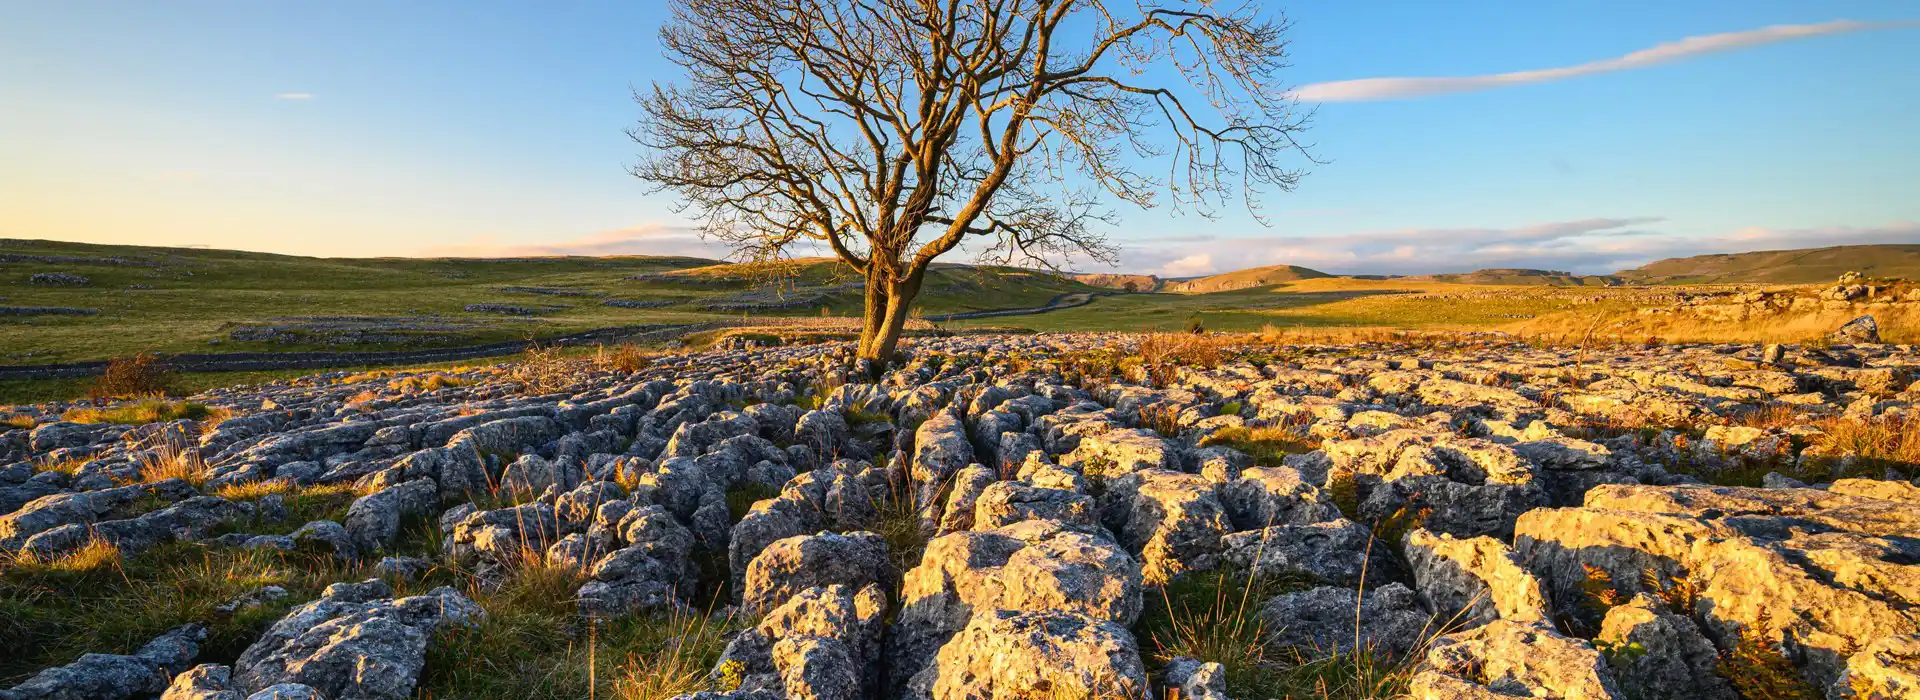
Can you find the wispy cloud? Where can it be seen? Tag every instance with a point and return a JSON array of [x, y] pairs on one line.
[[1591, 246], [1368, 89], [294, 96], [646, 239]]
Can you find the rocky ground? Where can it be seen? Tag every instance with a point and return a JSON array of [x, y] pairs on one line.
[[1015, 517]]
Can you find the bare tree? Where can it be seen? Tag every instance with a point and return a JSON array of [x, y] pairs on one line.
[[893, 131]]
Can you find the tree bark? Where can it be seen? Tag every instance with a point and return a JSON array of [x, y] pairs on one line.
[[873, 315], [880, 337]]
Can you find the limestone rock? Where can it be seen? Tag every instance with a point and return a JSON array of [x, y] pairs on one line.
[[113, 676], [1473, 581], [1008, 654], [794, 564], [1517, 659], [1336, 552], [1658, 654], [1857, 331], [1171, 521], [352, 644], [1391, 621], [1032, 566]]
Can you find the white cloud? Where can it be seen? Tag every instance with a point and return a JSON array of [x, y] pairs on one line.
[[294, 96], [646, 239], [1199, 264], [1367, 89], [1590, 246]]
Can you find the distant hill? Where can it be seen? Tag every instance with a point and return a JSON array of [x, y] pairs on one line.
[[1243, 279], [1523, 276], [1804, 266], [1118, 280]]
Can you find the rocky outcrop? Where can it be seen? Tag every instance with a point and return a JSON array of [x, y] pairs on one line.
[[1032, 566], [1008, 654], [1658, 654], [1513, 659], [113, 676], [1822, 573], [856, 560], [355, 642], [1474, 581], [1389, 492]]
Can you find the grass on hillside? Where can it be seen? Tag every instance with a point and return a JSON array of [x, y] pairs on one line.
[[1319, 303], [167, 300], [1897, 325]]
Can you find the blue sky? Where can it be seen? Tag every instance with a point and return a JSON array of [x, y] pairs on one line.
[[377, 128]]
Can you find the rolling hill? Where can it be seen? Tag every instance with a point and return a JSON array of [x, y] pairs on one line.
[[1118, 280], [1243, 279], [64, 302], [1522, 277], [1803, 266]]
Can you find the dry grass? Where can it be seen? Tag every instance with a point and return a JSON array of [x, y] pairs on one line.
[[1879, 443], [143, 374], [148, 410], [1897, 325], [170, 460], [423, 383], [95, 555], [1191, 349], [362, 400], [364, 377], [94, 600], [1162, 354], [70, 466], [545, 370], [21, 421], [1214, 616], [677, 669], [1268, 446], [897, 520], [303, 504], [625, 358]]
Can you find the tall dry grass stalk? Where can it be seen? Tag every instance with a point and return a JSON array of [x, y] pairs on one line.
[[172, 460], [681, 667]]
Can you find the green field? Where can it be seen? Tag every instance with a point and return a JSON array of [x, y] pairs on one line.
[[178, 300], [1320, 303], [175, 300]]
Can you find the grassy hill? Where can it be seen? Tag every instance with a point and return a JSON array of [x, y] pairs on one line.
[[1804, 266], [92, 302], [1243, 279], [1118, 280], [1522, 277]]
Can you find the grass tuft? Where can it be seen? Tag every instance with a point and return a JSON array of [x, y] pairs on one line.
[[172, 461], [148, 410], [1268, 446], [1214, 616]]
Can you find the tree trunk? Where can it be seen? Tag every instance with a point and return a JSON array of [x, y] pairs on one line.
[[880, 336], [874, 314]]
